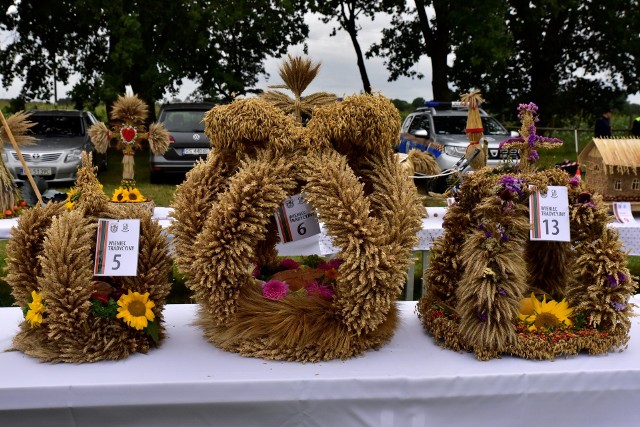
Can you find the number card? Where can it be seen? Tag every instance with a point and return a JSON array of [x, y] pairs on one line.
[[622, 211], [549, 214], [296, 219], [117, 247]]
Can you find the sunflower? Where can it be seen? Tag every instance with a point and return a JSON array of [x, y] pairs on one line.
[[72, 197], [134, 195], [120, 194], [36, 308], [135, 309], [545, 315]]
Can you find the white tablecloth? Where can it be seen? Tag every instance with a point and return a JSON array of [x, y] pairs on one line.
[[408, 383]]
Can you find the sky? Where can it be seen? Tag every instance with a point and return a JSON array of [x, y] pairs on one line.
[[338, 71]]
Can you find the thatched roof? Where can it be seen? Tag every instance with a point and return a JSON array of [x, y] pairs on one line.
[[621, 154]]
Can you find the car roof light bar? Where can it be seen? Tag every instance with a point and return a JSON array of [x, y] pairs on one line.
[[453, 104]]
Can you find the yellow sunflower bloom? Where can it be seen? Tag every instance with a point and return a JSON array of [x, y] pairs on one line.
[[71, 199], [547, 314], [526, 306], [120, 195], [135, 196], [36, 308], [135, 310]]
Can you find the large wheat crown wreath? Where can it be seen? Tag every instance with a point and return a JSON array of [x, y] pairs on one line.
[[52, 252], [224, 224], [484, 267]]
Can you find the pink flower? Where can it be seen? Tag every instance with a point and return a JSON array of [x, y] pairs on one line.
[[289, 264], [322, 291], [275, 290]]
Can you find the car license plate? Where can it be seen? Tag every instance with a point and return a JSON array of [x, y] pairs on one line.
[[195, 151], [37, 171]]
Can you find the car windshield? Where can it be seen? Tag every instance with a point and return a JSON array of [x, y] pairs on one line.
[[57, 126], [455, 125], [184, 121]]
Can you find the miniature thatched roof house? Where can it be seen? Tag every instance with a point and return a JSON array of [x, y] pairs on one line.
[[612, 167]]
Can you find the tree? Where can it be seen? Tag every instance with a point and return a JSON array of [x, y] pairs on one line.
[[148, 44], [40, 38], [346, 13], [568, 57], [235, 39], [413, 34], [564, 56]]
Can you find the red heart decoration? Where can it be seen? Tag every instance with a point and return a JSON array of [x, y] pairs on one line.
[[128, 134]]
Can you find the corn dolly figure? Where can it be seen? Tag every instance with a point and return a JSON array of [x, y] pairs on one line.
[[129, 113]]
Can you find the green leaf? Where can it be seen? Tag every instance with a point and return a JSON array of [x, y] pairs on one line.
[[103, 310], [153, 329]]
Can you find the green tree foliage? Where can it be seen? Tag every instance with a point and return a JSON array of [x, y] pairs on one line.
[[414, 34], [148, 44], [346, 14], [241, 35], [571, 57]]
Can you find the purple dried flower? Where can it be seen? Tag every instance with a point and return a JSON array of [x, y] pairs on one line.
[[533, 156], [482, 316], [621, 277], [574, 182], [524, 108], [512, 184], [531, 140], [618, 306], [289, 264], [275, 290], [502, 292], [488, 234], [504, 237]]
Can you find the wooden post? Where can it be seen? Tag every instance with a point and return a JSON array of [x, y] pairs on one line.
[[24, 164]]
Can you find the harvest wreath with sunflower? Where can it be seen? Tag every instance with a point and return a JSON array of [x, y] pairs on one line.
[[70, 314], [224, 225], [491, 290]]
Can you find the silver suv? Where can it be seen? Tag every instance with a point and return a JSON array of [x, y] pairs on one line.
[[62, 136], [439, 128]]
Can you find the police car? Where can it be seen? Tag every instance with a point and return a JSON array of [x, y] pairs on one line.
[[439, 128]]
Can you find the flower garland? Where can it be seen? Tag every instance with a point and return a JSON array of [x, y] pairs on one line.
[[133, 308], [314, 277]]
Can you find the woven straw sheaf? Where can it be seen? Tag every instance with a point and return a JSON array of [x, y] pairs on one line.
[[224, 224]]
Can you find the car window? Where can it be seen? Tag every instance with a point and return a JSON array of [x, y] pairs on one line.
[[457, 125], [419, 122], [57, 126], [493, 127], [450, 125], [184, 121]]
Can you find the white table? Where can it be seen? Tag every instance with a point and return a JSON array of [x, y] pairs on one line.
[[408, 383]]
